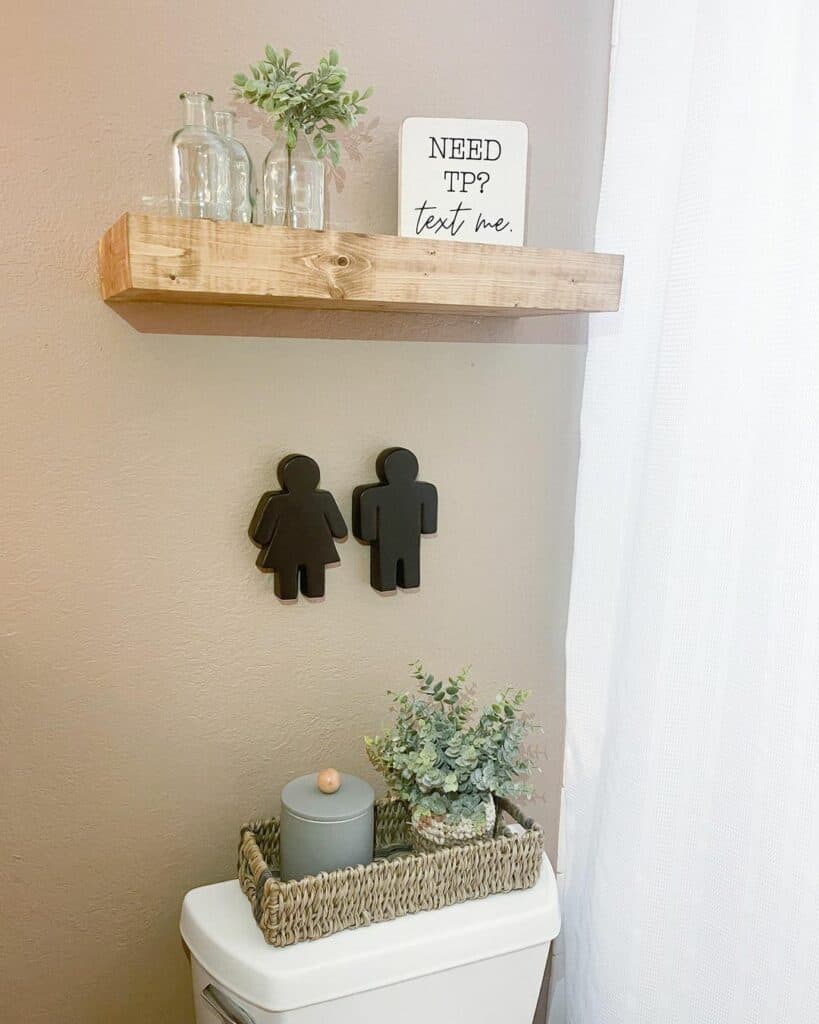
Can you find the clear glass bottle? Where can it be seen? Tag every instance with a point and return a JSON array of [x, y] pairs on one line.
[[200, 163], [275, 174], [293, 186], [241, 169]]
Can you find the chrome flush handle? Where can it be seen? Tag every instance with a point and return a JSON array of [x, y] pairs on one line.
[[227, 1010]]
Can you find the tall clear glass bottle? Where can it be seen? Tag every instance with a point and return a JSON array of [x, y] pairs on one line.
[[200, 163], [241, 169], [275, 175], [293, 185]]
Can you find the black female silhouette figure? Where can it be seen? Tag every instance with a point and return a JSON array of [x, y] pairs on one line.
[[295, 527], [391, 516]]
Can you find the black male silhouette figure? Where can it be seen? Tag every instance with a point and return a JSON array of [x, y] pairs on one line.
[[295, 528], [391, 516]]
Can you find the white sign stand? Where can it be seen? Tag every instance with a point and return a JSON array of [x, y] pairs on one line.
[[463, 179]]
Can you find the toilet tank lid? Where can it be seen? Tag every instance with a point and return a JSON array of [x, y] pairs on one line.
[[218, 927]]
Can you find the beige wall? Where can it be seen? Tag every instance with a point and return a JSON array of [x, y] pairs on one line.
[[154, 693]]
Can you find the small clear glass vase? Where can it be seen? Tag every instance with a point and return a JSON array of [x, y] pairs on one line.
[[293, 186], [200, 163], [241, 169]]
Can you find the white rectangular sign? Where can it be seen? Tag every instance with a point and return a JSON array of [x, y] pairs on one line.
[[463, 179]]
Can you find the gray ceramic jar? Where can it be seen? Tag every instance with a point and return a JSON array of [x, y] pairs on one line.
[[325, 827]]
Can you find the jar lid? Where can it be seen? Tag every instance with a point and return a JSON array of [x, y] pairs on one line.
[[303, 797]]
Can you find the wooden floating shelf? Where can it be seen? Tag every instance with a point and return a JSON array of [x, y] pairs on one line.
[[162, 259]]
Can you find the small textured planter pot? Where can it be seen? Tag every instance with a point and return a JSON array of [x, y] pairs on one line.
[[431, 832]]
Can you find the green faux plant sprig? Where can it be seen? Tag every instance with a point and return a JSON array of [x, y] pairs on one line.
[[312, 102], [442, 761]]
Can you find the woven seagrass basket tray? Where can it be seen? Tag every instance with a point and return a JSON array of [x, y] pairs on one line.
[[397, 882]]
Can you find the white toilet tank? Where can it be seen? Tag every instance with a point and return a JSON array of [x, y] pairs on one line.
[[479, 962]]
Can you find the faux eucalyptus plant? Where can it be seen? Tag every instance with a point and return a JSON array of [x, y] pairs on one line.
[[445, 761], [312, 102]]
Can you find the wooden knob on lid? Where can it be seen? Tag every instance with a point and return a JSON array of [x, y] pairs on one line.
[[329, 780]]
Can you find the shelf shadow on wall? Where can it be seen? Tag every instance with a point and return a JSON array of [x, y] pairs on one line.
[[345, 325]]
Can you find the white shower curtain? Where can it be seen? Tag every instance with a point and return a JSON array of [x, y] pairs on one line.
[[691, 824]]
